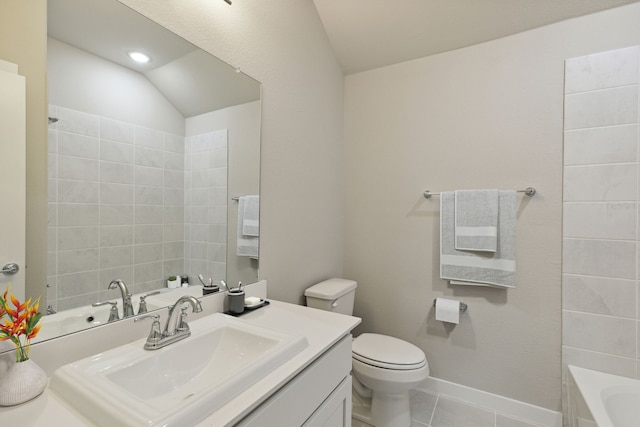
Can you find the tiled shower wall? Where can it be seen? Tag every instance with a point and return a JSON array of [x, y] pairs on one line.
[[600, 225], [206, 205], [116, 207]]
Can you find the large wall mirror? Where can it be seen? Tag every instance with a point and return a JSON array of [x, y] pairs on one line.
[[153, 167]]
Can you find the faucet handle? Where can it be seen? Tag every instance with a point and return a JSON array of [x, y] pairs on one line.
[[183, 326], [113, 313], [154, 335], [143, 303]]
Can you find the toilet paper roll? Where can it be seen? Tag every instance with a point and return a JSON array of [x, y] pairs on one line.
[[448, 310]]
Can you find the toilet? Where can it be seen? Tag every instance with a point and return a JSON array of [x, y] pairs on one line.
[[384, 368]]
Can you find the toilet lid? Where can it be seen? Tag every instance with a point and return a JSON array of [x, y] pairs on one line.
[[387, 352]]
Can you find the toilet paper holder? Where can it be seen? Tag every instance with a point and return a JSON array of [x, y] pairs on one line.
[[463, 306]]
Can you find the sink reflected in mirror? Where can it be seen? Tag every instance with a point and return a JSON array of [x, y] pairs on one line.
[[182, 383]]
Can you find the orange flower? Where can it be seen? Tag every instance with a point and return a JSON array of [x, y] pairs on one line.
[[21, 320]]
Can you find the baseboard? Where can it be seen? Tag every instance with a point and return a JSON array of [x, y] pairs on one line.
[[503, 405]]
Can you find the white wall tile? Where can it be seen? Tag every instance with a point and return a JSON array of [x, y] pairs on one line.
[[611, 144], [615, 220], [77, 260], [149, 176], [149, 157], [116, 172], [148, 253], [174, 161], [609, 363], [148, 195], [605, 334], [148, 214], [116, 214], [78, 168], [77, 122], [70, 144], [149, 138], [599, 295], [116, 256], [605, 258], [116, 235], [174, 143], [174, 179], [173, 214], [148, 234], [116, 130], [120, 194], [71, 191], [77, 237], [602, 70], [119, 152], [600, 183], [70, 285], [601, 108], [147, 272], [78, 214]]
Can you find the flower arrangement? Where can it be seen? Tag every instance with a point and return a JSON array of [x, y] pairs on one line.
[[19, 323]]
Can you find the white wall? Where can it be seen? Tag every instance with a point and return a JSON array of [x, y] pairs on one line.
[[282, 44], [81, 81], [600, 228], [486, 116]]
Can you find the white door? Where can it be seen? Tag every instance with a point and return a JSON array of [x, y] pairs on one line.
[[12, 176]]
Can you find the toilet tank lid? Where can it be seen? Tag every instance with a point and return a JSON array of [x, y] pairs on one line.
[[331, 289]]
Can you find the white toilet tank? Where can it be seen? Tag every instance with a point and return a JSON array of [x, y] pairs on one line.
[[335, 295]]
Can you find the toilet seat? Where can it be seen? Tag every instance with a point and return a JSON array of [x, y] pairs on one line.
[[387, 352]]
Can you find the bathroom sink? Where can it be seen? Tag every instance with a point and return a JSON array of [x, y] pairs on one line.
[[180, 384]]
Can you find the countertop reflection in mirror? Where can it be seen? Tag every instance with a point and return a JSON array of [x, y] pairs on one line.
[[144, 158]]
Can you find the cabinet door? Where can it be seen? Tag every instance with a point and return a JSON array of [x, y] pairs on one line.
[[336, 410]]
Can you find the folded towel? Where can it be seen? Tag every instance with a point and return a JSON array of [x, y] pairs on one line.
[[485, 268], [251, 219], [476, 220], [246, 245]]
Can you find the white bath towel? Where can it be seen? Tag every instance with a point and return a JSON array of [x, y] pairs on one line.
[[246, 245], [476, 267], [476, 220], [251, 218]]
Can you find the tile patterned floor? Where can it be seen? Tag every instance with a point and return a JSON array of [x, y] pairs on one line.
[[430, 410]]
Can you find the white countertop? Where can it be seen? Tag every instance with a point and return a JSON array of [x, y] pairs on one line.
[[322, 329]]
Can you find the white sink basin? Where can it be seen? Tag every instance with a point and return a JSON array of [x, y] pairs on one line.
[[177, 385]]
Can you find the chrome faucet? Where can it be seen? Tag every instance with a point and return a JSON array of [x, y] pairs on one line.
[[174, 330], [127, 307]]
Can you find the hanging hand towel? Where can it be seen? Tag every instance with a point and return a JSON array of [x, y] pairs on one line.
[[251, 219], [246, 245], [476, 220], [485, 268]]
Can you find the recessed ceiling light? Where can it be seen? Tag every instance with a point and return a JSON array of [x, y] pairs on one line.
[[139, 57]]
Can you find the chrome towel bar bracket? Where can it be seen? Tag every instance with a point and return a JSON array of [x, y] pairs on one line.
[[529, 191]]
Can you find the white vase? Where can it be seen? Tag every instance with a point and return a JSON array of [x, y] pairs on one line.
[[21, 382]]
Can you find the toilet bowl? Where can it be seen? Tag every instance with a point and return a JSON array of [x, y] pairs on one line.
[[388, 368], [384, 368]]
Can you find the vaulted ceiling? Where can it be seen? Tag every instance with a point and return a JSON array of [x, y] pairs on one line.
[[367, 34]]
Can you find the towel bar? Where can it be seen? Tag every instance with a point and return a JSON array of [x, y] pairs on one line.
[[529, 191], [463, 306]]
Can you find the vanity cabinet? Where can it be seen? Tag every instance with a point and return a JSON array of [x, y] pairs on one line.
[[320, 396]]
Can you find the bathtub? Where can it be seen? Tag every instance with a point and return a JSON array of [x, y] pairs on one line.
[[597, 399]]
